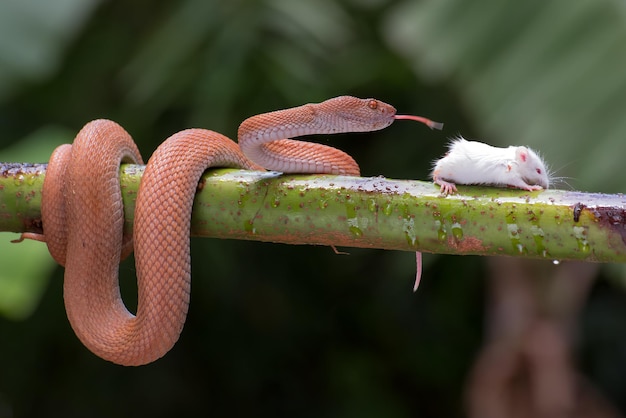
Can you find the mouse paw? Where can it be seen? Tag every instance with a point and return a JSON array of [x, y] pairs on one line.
[[533, 188], [522, 185], [446, 187]]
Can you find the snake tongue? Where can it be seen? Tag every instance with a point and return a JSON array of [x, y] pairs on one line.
[[431, 124]]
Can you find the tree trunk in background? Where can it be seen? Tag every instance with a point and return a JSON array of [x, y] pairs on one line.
[[526, 366]]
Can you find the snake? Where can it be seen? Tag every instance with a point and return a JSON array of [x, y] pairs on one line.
[[83, 214]]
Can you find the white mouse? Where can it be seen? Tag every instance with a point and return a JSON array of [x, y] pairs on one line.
[[471, 162]]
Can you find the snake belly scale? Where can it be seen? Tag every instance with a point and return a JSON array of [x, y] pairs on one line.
[[83, 216]]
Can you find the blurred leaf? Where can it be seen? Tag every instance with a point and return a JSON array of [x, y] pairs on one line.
[[26, 268], [221, 55], [33, 34]]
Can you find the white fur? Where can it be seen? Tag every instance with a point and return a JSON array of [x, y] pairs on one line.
[[471, 162]]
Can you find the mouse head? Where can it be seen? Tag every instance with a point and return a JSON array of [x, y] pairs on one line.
[[531, 167]]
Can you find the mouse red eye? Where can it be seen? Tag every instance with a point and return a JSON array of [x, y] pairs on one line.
[[538, 171]]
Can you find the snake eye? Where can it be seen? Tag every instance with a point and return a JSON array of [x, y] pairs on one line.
[[373, 104]]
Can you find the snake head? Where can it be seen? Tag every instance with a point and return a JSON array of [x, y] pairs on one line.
[[358, 115]]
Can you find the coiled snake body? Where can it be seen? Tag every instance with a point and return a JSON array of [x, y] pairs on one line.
[[83, 215]]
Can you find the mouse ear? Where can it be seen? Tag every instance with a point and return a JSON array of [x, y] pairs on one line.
[[521, 155]]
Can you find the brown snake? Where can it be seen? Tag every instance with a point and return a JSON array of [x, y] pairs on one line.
[[83, 216]]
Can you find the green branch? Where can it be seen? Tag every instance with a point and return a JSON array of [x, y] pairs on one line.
[[369, 212]]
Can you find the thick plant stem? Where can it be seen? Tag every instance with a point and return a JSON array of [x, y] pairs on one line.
[[369, 212]]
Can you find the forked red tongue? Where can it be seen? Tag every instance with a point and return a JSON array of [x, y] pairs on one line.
[[431, 124]]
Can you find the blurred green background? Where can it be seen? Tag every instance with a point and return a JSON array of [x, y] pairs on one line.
[[277, 330]]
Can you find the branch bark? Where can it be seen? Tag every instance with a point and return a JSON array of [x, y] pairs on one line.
[[372, 212]]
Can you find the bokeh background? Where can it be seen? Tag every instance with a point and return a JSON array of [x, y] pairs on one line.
[[277, 330]]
